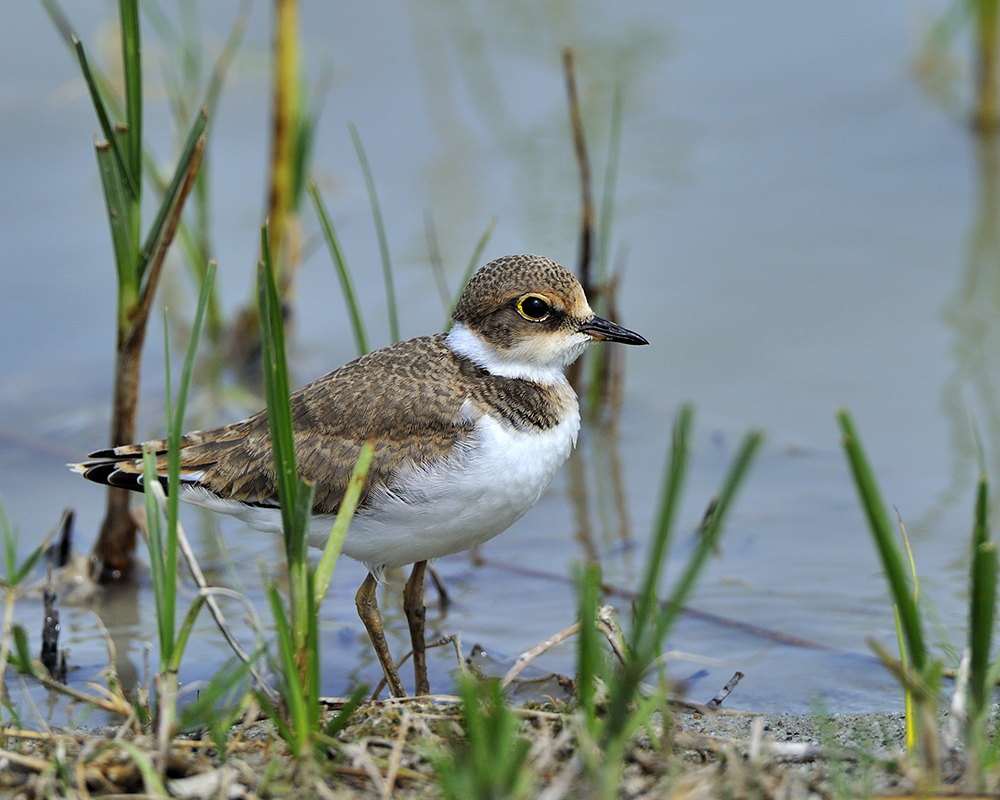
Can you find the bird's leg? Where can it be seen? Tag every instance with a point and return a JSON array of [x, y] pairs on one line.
[[372, 619], [413, 605]]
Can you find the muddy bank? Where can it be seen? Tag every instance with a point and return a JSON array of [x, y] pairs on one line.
[[395, 749]]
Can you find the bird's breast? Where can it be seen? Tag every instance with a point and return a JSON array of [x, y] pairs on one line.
[[484, 485]]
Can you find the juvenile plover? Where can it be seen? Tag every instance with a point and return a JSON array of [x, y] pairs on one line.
[[469, 428]]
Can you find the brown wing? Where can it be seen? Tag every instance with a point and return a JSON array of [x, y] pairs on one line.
[[385, 396]]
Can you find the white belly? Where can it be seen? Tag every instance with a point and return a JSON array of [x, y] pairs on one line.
[[459, 503], [483, 488]]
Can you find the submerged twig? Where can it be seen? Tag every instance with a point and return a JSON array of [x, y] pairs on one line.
[[532, 653], [725, 691]]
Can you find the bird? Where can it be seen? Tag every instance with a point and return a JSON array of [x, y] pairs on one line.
[[469, 427]]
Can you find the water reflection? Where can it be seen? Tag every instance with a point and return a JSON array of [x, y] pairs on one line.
[[971, 397], [494, 149], [596, 490]]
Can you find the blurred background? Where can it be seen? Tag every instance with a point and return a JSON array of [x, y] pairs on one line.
[[804, 220]]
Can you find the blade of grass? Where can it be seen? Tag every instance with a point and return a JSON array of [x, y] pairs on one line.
[[982, 603], [878, 521], [437, 262], [343, 272], [313, 646], [276, 386], [340, 720], [383, 244], [608, 190], [477, 254], [185, 632], [128, 11], [20, 657], [300, 596], [911, 720], [627, 712], [163, 547], [669, 503], [16, 574], [588, 652], [176, 193], [293, 695], [162, 594], [9, 547], [121, 232], [707, 541], [107, 129], [331, 551]]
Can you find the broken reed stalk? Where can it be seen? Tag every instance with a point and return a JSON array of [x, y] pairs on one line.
[[284, 119], [116, 539], [583, 164], [987, 114], [585, 255], [138, 260], [603, 365]]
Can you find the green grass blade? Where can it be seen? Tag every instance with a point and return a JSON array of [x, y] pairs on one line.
[[28, 565], [669, 505], [107, 129], [163, 591], [279, 408], [172, 195], [9, 546], [16, 574], [383, 244], [878, 522], [119, 214], [343, 717], [982, 613], [710, 535], [331, 551], [982, 603], [221, 68], [314, 647], [300, 596], [60, 20], [219, 703], [20, 656], [343, 272], [175, 434], [293, 694], [588, 652], [608, 192], [132, 68], [911, 720], [436, 261], [185, 633], [473, 264], [163, 27]]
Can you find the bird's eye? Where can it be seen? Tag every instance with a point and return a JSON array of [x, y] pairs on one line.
[[533, 307]]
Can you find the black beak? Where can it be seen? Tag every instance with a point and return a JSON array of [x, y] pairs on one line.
[[604, 330]]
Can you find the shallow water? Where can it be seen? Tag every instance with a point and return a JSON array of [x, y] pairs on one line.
[[803, 229]]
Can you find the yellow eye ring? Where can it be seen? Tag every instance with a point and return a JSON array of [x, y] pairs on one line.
[[533, 307]]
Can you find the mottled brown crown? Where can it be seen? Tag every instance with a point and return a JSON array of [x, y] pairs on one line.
[[501, 281]]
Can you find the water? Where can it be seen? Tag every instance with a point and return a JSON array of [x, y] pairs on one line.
[[803, 229]]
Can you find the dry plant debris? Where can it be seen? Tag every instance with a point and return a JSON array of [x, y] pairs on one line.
[[390, 749]]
